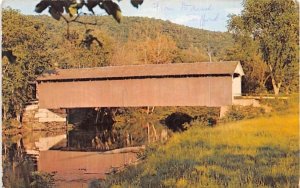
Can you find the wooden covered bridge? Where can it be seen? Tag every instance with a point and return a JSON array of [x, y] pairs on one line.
[[186, 84]]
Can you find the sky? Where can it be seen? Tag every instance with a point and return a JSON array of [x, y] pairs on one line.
[[204, 14]]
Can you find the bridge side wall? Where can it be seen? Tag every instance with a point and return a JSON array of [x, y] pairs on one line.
[[187, 91]]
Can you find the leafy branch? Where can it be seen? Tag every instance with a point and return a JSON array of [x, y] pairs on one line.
[[72, 7], [58, 7]]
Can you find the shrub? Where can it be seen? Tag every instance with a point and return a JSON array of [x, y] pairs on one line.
[[41, 179], [283, 106], [243, 112]]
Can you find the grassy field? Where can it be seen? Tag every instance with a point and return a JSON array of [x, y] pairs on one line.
[[260, 152]]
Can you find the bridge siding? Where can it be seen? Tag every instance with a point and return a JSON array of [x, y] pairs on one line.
[[193, 91]]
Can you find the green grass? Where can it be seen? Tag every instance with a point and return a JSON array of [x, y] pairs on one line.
[[260, 152]]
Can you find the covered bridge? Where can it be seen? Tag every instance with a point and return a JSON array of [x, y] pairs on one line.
[[183, 84]]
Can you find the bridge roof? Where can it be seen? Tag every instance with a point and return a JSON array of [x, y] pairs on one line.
[[146, 70]]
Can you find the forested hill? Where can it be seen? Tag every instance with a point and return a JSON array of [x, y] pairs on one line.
[[138, 28]]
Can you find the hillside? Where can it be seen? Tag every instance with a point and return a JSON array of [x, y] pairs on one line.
[[137, 28]]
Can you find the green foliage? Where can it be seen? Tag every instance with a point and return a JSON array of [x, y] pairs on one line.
[[136, 121], [283, 106], [245, 50], [82, 55], [199, 114], [236, 113], [273, 27], [26, 39]]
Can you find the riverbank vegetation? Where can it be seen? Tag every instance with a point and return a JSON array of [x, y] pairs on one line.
[[257, 152]]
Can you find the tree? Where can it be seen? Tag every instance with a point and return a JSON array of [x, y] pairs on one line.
[[83, 54], [26, 40], [192, 54], [161, 49], [125, 54], [256, 73], [274, 25]]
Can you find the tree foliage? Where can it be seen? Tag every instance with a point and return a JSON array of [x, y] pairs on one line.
[[162, 49], [26, 40], [138, 29], [246, 51], [273, 25], [158, 50], [74, 52], [125, 54], [192, 54]]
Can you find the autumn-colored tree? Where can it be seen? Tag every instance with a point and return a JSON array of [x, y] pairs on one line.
[[191, 55], [125, 54], [161, 49], [274, 26]]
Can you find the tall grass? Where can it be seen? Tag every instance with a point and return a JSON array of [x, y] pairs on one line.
[[261, 152]]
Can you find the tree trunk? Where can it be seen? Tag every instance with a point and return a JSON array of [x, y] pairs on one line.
[[209, 55], [275, 83], [4, 113], [19, 119], [276, 86], [154, 131], [148, 133], [152, 109]]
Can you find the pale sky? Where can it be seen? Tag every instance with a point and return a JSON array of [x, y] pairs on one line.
[[205, 14]]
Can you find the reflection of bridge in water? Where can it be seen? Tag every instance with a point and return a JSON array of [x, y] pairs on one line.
[[77, 168], [72, 168]]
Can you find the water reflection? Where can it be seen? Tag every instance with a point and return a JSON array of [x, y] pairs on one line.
[[78, 154], [75, 157], [95, 140], [18, 166], [19, 161], [97, 130]]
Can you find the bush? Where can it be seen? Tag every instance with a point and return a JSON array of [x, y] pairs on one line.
[[283, 106], [236, 113], [42, 179]]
